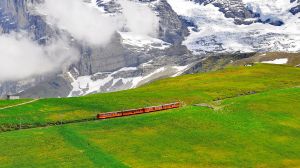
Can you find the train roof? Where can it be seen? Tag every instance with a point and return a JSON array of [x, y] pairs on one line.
[[139, 108]]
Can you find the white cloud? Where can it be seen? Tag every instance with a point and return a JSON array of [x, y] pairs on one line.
[[87, 24], [80, 20], [21, 57], [139, 18]]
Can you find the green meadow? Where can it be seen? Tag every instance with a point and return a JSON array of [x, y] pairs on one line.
[[261, 130], [189, 89], [248, 117]]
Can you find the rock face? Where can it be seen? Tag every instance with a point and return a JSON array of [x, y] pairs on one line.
[[128, 60], [295, 10], [232, 9], [172, 29], [14, 16]]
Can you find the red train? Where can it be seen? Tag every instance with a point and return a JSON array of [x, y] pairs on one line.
[[138, 111]]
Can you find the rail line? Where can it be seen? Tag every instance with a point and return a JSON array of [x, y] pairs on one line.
[[17, 127], [11, 127], [108, 115]]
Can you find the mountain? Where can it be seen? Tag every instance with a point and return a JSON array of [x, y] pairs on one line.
[[189, 32]]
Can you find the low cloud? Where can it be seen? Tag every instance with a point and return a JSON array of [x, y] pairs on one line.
[[139, 18], [80, 20], [89, 25], [22, 58]]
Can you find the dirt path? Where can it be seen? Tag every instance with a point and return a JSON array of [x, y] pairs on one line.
[[21, 104]]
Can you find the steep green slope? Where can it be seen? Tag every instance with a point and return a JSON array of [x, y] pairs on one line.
[[260, 130], [190, 89]]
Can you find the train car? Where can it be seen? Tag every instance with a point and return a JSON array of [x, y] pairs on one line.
[[170, 106], [176, 105], [109, 115], [100, 116], [128, 112], [166, 107], [158, 108], [149, 109], [117, 114], [103, 115], [139, 111]]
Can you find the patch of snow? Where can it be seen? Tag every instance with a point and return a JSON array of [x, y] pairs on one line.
[[142, 41], [180, 70], [270, 9], [277, 61], [147, 63], [126, 69], [71, 76], [137, 80], [76, 70], [94, 4], [84, 85]]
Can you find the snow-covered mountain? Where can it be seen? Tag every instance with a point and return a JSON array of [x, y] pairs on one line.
[[188, 31]]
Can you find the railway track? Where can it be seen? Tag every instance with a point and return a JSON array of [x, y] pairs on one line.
[[17, 127], [105, 116], [8, 128]]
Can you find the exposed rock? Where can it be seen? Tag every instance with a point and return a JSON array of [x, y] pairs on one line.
[[52, 87], [295, 10]]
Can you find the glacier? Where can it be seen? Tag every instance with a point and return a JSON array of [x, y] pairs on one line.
[[213, 32]]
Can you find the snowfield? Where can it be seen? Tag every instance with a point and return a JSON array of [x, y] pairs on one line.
[[142, 41], [84, 85], [277, 61], [216, 33]]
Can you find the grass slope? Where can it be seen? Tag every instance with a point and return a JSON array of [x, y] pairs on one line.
[[260, 130], [6, 103], [190, 89]]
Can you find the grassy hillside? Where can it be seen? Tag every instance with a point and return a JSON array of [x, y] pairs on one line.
[[190, 89], [260, 130]]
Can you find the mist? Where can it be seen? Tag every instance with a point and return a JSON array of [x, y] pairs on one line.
[[89, 25], [80, 20], [139, 18], [21, 57]]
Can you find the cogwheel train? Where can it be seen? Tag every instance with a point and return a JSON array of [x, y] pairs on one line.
[[138, 111]]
